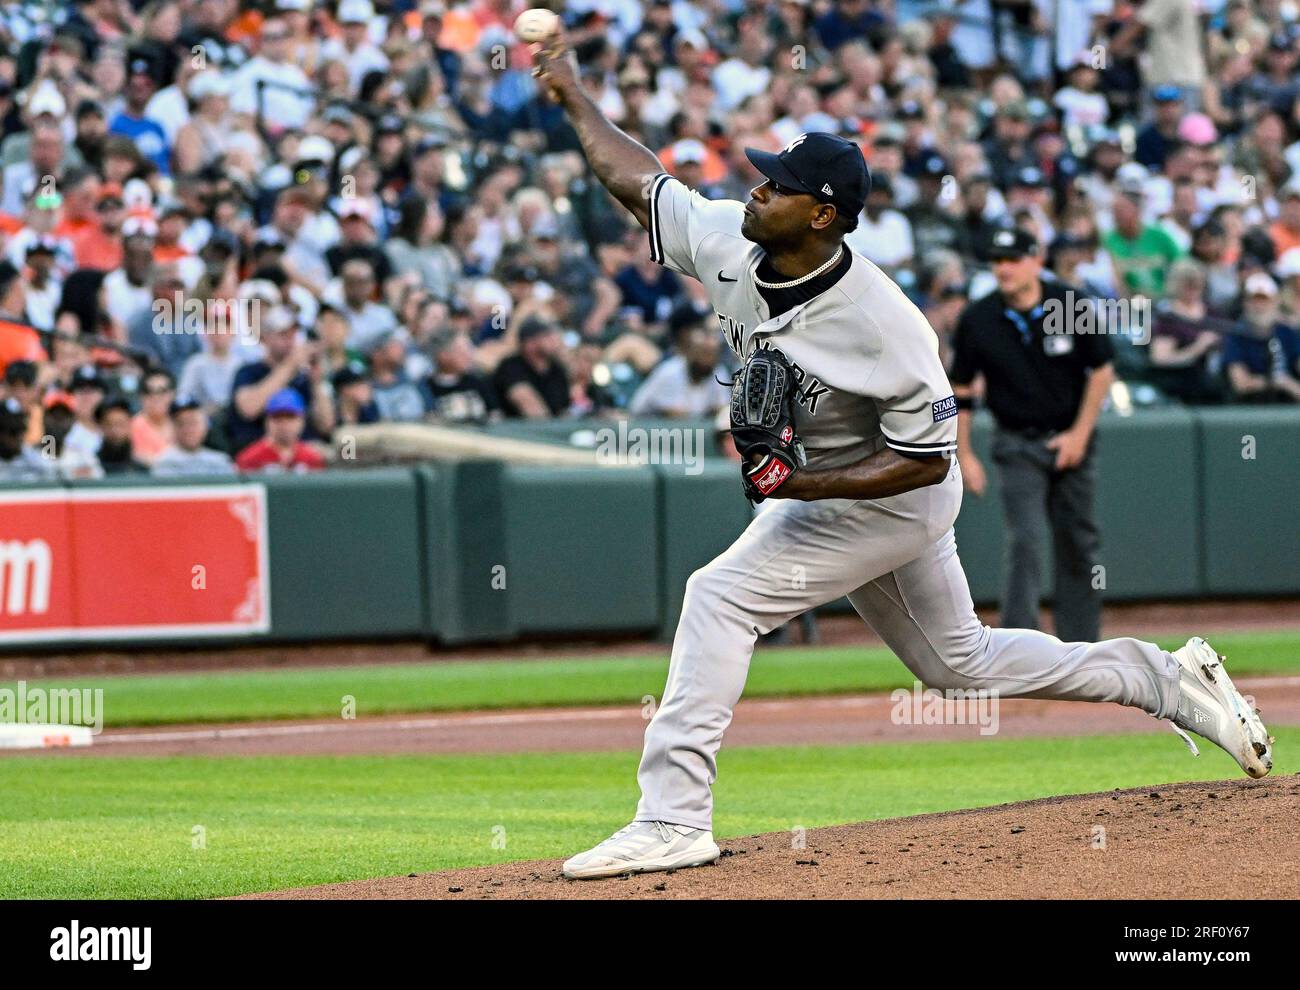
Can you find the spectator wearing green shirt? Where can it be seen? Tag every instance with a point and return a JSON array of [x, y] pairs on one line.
[[1142, 252]]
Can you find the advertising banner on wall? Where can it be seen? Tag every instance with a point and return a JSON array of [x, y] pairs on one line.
[[133, 563]]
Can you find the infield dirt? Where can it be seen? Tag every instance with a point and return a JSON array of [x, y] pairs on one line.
[[1201, 840]]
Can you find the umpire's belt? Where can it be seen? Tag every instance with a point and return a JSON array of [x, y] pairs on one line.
[[1030, 433]]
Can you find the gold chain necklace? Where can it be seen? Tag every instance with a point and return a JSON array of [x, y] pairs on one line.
[[834, 260]]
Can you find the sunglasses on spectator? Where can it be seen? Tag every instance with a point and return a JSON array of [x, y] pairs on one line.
[[157, 389]]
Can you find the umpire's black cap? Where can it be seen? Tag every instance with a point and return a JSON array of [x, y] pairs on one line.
[[826, 166], [1011, 244]]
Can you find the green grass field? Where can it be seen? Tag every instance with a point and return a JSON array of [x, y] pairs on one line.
[[125, 827], [445, 686]]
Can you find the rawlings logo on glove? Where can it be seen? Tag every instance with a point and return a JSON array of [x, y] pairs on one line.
[[762, 424]]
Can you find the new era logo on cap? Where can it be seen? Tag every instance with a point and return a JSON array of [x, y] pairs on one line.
[[826, 188]]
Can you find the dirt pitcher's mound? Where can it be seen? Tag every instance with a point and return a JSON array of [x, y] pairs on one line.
[[1228, 839]]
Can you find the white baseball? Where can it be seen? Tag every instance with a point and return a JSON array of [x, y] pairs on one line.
[[536, 24]]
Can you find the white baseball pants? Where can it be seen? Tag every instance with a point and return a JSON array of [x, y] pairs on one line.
[[896, 559]]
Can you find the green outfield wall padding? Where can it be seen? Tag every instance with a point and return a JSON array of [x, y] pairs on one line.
[[466, 541], [1250, 505], [700, 516], [438, 573], [1147, 505], [979, 524], [346, 555], [1191, 503], [581, 549]]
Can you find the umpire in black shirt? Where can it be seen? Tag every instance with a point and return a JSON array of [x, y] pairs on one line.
[[1044, 383]]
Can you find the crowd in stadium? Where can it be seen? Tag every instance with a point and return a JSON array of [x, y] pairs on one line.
[[230, 229]]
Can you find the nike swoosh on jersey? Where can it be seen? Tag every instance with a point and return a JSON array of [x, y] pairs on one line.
[[723, 278]]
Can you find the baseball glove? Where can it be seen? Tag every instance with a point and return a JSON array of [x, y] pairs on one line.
[[762, 424]]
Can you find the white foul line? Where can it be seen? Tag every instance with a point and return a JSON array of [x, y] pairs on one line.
[[519, 718]]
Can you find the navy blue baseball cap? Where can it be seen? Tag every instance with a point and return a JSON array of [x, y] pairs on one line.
[[828, 167]]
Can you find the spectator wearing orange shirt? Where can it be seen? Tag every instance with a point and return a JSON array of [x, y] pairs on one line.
[[80, 195], [18, 341], [93, 213], [1285, 230], [152, 431], [169, 249], [693, 152], [44, 215], [10, 225]]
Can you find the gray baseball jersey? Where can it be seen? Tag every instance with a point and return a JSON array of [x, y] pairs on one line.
[[866, 360], [870, 375]]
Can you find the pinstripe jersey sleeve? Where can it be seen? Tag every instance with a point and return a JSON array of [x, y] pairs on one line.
[[682, 220]]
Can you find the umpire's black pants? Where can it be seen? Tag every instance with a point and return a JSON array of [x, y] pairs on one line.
[[1036, 499]]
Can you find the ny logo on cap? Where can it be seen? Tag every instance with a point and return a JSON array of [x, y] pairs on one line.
[[795, 143], [1004, 238]]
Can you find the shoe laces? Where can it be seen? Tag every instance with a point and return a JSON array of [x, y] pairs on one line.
[[665, 832], [1185, 737]]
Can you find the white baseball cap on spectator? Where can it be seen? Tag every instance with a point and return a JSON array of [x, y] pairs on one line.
[[139, 227], [1132, 178], [278, 319], [303, 5], [1288, 266], [263, 290], [1261, 284], [305, 302], [348, 160], [488, 293], [692, 37], [688, 151], [357, 208], [137, 197], [314, 148], [209, 83], [356, 12], [46, 99]]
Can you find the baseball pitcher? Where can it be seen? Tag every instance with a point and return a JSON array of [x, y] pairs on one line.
[[845, 418]]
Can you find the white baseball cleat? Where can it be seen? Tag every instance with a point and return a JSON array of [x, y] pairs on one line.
[[1211, 706], [644, 847]]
